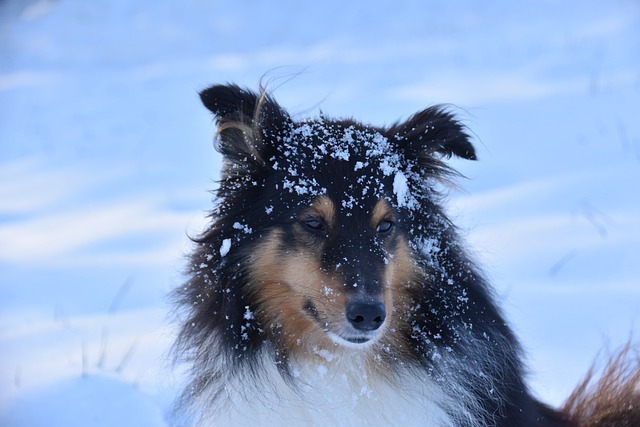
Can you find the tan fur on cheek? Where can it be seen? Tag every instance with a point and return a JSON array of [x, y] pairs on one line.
[[282, 280], [401, 275]]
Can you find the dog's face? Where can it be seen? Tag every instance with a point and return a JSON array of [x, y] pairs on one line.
[[334, 256], [324, 216]]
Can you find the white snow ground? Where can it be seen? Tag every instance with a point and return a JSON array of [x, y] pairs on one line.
[[105, 159]]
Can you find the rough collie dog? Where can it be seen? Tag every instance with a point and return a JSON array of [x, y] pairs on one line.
[[330, 287]]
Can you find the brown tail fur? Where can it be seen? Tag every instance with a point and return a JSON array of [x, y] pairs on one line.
[[613, 400]]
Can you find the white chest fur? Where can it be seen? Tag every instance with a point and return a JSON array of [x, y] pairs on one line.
[[329, 393]]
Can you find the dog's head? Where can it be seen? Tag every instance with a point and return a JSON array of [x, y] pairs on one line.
[[319, 222]]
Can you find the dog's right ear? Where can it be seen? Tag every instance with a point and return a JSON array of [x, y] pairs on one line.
[[245, 122], [434, 132]]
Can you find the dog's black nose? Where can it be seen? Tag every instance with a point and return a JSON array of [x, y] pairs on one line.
[[365, 316]]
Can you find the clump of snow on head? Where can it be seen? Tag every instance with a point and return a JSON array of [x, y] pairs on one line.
[[400, 188], [225, 247], [404, 197]]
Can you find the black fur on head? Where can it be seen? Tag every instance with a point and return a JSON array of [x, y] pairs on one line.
[[247, 119]]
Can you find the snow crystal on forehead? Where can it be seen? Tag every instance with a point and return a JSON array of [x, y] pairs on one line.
[[332, 145]]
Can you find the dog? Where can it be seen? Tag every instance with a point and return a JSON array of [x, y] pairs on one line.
[[331, 289]]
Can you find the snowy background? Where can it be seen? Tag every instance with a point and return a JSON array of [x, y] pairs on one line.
[[106, 159]]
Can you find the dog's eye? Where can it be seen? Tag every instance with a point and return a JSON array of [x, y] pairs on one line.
[[314, 224], [384, 226]]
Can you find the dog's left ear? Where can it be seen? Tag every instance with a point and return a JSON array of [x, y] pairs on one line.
[[431, 133]]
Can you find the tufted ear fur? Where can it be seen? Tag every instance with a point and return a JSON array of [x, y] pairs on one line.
[[243, 118], [430, 132]]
